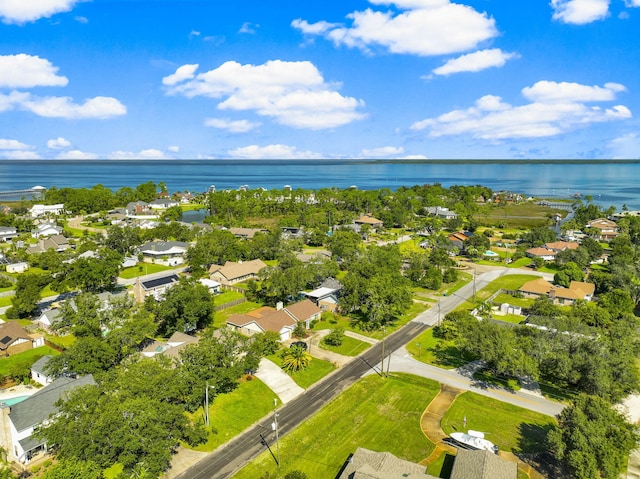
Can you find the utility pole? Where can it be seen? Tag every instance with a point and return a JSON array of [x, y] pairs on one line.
[[206, 403], [274, 426], [382, 358]]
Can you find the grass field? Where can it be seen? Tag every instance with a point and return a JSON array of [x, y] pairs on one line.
[[141, 269], [349, 347], [5, 301], [375, 413], [436, 351], [232, 413], [220, 317], [24, 360], [509, 427], [317, 369], [507, 298]]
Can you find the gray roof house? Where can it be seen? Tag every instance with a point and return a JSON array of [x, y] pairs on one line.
[[7, 233], [366, 464], [25, 416], [169, 253], [38, 371], [153, 287], [482, 465]]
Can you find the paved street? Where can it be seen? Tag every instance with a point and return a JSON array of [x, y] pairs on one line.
[[230, 457]]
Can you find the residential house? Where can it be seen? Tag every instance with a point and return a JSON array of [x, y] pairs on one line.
[[280, 320], [48, 317], [162, 204], [292, 232], [169, 253], [136, 208], [171, 347], [39, 371], [482, 465], [372, 221], [14, 339], [246, 233], [213, 286], [441, 212], [41, 210], [44, 230], [129, 262], [27, 415], [327, 295], [459, 239], [544, 253], [232, 272], [57, 243], [153, 287], [559, 246], [7, 233], [606, 229], [19, 267], [577, 290], [184, 198], [367, 464]]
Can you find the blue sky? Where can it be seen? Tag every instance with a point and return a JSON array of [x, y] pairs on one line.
[[290, 79]]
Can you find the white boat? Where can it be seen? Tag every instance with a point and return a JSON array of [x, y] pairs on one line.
[[474, 440]]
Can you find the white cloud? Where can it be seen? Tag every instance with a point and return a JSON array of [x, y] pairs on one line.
[[237, 126], [150, 154], [83, 20], [632, 3], [413, 157], [273, 152], [293, 93], [475, 62], [58, 143], [13, 145], [76, 155], [174, 149], [555, 108], [185, 72], [423, 27], [248, 27], [19, 155], [194, 33], [382, 152], [27, 71], [99, 107], [22, 11], [580, 12]]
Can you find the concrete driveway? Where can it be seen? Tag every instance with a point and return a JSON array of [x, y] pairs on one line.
[[278, 381]]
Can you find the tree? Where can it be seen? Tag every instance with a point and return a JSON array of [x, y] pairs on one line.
[[28, 288], [173, 213], [186, 306], [335, 337], [94, 274], [295, 359], [74, 469], [593, 439]]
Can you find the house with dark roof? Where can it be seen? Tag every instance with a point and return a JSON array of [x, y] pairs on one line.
[[14, 339], [279, 319], [482, 465], [27, 415], [155, 287], [168, 253], [232, 272]]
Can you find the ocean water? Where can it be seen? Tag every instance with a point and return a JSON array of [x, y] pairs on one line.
[[610, 183]]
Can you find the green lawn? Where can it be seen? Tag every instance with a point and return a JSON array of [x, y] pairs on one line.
[[509, 427], [62, 341], [512, 300], [141, 269], [442, 466], [232, 413], [5, 301], [375, 413], [24, 360], [436, 351], [349, 347], [487, 376], [220, 317], [227, 297], [317, 369], [508, 318]]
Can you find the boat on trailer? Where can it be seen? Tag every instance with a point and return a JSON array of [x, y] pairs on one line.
[[474, 440]]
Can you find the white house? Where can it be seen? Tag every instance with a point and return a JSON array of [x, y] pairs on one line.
[[44, 230], [25, 416], [213, 286], [39, 373], [7, 233], [40, 210], [153, 287], [169, 253], [19, 267]]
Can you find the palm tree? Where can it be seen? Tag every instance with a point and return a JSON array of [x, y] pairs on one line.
[[296, 359]]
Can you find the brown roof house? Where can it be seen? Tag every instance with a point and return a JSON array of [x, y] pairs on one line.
[[232, 273], [171, 347], [57, 243], [279, 319], [14, 339], [577, 290], [482, 465], [369, 220], [607, 229], [558, 246], [540, 252]]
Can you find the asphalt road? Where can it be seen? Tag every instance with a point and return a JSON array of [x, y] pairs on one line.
[[230, 457]]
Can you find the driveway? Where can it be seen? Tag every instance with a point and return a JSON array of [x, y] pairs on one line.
[[278, 381]]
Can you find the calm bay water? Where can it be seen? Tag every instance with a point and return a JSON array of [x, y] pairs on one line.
[[610, 182]]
